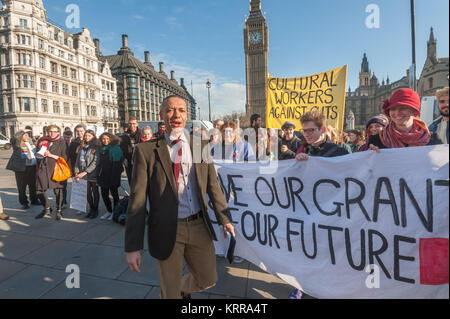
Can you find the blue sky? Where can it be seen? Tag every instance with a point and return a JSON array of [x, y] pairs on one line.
[[202, 39]]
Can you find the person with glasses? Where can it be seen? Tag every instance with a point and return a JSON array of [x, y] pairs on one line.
[[50, 149], [314, 130]]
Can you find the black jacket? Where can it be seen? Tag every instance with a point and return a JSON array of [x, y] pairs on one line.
[[326, 149], [293, 145], [109, 172], [128, 142]]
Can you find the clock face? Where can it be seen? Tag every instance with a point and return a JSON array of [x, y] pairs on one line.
[[255, 37]]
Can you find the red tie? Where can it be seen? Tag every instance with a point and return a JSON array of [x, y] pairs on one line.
[[177, 164]]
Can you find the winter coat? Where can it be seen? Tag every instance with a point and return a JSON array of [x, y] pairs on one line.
[[128, 143], [46, 166], [326, 149], [17, 163], [90, 165], [293, 145], [72, 153], [109, 172]]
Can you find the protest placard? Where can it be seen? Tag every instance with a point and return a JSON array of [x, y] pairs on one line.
[[78, 195], [323, 224], [289, 99]]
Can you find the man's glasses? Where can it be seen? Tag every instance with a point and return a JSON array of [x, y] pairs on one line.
[[308, 130]]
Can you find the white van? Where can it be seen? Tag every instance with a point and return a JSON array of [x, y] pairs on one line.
[[4, 142]]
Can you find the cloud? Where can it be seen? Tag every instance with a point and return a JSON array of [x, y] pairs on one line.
[[173, 22], [138, 17], [227, 96]]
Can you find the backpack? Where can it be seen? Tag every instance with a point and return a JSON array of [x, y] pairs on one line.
[[120, 211]]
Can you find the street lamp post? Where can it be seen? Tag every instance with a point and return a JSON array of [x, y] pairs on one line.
[[413, 38], [208, 86]]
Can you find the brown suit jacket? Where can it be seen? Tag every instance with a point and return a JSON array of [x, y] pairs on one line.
[[153, 178]]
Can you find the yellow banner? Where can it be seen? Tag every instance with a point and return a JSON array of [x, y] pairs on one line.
[[289, 99]]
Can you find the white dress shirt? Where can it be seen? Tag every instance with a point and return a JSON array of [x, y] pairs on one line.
[[188, 198]]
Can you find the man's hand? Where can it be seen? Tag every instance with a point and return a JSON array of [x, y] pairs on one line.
[[228, 227], [284, 149], [134, 261], [302, 157]]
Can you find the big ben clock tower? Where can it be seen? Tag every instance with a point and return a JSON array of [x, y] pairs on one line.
[[256, 44]]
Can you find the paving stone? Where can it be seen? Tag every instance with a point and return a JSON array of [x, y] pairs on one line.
[[31, 283], [149, 272], [232, 279], [53, 253], [98, 260], [262, 285], [99, 288], [98, 233], [63, 229], [9, 268], [13, 246]]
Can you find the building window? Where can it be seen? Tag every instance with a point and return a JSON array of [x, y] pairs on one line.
[[55, 87], [44, 106], [430, 83], [56, 108], [43, 84], [64, 71], [54, 67], [26, 104], [24, 23], [73, 74], [76, 110], [65, 89], [66, 108], [74, 91], [40, 44], [42, 62], [94, 110]]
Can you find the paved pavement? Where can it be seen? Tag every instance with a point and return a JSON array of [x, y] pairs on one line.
[[34, 255]]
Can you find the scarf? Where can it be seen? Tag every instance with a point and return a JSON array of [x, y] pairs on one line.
[[24, 147], [393, 138], [115, 153], [47, 140]]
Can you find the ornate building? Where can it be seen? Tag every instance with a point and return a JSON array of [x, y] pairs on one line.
[[367, 100], [50, 76], [256, 46], [434, 74], [141, 89]]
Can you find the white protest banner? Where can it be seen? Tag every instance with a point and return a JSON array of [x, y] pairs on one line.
[[323, 224], [78, 195]]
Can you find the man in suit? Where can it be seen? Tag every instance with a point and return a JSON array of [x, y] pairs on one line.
[[176, 185]]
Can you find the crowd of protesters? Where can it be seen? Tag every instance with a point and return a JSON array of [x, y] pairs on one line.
[[101, 161]]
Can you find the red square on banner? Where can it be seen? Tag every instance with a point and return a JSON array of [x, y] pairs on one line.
[[433, 261]]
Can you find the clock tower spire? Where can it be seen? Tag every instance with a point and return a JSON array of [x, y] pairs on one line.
[[256, 47]]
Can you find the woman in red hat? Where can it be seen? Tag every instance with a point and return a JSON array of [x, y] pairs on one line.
[[405, 128]]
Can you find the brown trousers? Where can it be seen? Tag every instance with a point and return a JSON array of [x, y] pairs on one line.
[[195, 245]]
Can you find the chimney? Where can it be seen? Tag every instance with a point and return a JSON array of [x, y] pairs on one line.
[[161, 67], [181, 81], [172, 75], [97, 46], [124, 41], [147, 56]]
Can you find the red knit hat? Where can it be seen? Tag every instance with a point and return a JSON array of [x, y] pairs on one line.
[[406, 97]]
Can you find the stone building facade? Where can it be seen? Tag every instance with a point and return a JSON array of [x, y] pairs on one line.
[[50, 76], [141, 89], [367, 100]]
